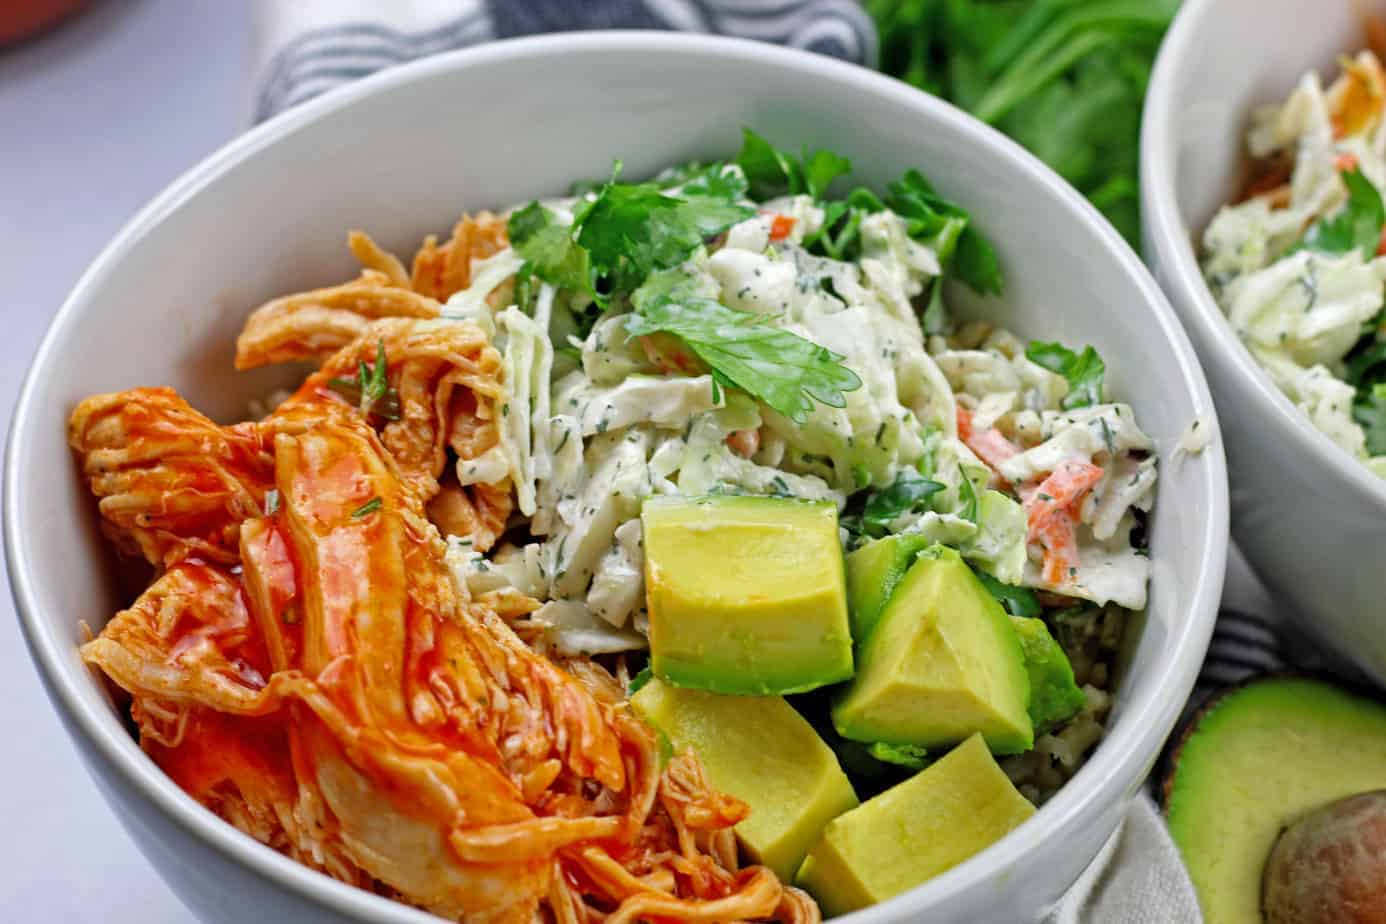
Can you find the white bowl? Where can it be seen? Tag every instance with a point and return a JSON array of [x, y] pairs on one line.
[[401, 154], [1310, 518]]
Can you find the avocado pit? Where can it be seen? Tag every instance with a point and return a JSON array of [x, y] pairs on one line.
[[1330, 866]]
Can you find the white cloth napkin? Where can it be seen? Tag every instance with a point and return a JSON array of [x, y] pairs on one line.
[[307, 47]]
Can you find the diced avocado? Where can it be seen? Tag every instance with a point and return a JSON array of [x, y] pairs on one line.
[[942, 663], [1255, 761], [910, 833], [746, 594], [873, 571], [760, 750], [1054, 696]]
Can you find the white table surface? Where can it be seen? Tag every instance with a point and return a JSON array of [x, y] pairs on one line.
[[95, 119]]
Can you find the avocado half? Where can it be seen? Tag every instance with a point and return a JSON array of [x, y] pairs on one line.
[[1252, 762]]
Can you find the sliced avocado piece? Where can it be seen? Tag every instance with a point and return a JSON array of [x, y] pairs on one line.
[[760, 750], [873, 571], [942, 663], [1253, 762], [910, 833], [746, 595], [1054, 696]]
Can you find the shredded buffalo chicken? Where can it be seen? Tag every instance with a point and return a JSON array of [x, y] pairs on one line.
[[304, 665]]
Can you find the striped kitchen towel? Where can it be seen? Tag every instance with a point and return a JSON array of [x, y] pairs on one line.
[[307, 47]]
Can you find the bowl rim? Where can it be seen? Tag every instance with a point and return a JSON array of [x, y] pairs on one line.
[[1113, 773], [1183, 279]]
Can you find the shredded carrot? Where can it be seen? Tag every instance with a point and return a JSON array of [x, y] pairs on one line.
[[1345, 161], [1052, 512], [989, 444], [781, 227]]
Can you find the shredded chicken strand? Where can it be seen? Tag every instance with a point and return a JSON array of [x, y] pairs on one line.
[[308, 668]]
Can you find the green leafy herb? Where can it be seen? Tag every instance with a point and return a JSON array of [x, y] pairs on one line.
[[901, 755], [630, 231], [548, 248], [779, 368], [1366, 364], [271, 502], [370, 390], [908, 493], [639, 680], [1065, 78], [1084, 371], [1370, 413], [948, 229], [1018, 601], [369, 507], [1357, 225], [968, 495]]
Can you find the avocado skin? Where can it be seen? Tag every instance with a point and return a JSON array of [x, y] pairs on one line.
[[1249, 763], [1054, 695]]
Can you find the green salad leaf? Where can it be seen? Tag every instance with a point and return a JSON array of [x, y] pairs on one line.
[[1370, 412], [1065, 78], [777, 367], [1084, 371], [1018, 601], [1356, 226], [908, 493]]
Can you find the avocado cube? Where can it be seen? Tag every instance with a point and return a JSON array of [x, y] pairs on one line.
[[1054, 695], [933, 821], [942, 663], [873, 571], [746, 595], [759, 749]]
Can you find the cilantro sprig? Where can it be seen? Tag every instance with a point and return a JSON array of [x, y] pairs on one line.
[[370, 390], [777, 367], [931, 219], [1018, 601], [1356, 226], [908, 493], [1084, 371]]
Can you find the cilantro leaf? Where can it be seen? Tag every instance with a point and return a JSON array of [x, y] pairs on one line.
[[1018, 601], [947, 228], [909, 492], [778, 368], [769, 171], [632, 230], [1084, 371], [1357, 225], [901, 755], [1370, 412], [1366, 364], [820, 169], [548, 248], [714, 181]]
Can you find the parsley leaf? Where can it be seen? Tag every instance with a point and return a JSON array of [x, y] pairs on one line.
[[902, 755], [909, 492], [1084, 371], [1366, 364], [769, 171], [370, 390], [1357, 225], [632, 230], [1018, 601], [548, 248], [1370, 413], [779, 368]]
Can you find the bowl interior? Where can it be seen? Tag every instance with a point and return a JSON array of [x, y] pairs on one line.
[[403, 154]]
